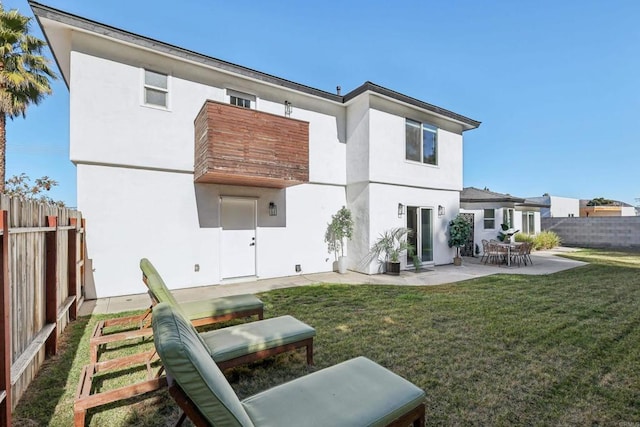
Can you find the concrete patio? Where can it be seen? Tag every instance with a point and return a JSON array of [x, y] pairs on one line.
[[544, 262]]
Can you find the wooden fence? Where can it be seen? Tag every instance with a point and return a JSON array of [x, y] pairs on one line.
[[42, 252]]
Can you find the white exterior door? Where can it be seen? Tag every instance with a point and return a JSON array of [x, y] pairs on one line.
[[238, 237]]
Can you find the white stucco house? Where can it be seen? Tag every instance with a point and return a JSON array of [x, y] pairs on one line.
[[219, 173], [487, 211], [558, 207]]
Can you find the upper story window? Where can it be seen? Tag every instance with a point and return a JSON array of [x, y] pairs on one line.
[[489, 219], [156, 89], [241, 99], [421, 142]]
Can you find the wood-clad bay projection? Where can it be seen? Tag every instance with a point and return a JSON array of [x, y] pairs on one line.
[[242, 146]]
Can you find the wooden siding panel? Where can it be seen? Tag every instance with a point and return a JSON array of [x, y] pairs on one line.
[[241, 146]]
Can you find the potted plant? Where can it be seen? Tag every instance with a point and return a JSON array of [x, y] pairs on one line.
[[338, 231], [388, 248], [459, 232], [506, 235]]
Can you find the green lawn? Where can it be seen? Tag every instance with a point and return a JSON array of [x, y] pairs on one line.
[[562, 349]]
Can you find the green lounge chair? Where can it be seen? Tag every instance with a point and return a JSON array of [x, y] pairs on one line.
[[357, 392], [229, 347], [200, 313]]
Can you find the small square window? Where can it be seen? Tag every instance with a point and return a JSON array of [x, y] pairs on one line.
[[156, 89], [240, 99], [240, 102]]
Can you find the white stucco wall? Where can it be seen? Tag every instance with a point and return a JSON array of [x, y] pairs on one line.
[[163, 216], [564, 207], [135, 181], [388, 155], [383, 204]]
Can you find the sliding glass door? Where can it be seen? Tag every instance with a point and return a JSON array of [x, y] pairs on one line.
[[420, 221]]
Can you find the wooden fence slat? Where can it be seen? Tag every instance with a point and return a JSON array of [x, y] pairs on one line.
[[72, 271], [5, 324], [51, 284]]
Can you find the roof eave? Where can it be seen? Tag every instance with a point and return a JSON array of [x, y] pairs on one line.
[[465, 122]]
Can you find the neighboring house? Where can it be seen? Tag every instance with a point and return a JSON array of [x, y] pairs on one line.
[[615, 208], [219, 173], [559, 207], [487, 211]]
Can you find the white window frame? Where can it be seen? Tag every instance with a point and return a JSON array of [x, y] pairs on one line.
[[485, 219], [146, 86], [424, 127], [508, 217], [525, 222], [245, 97]]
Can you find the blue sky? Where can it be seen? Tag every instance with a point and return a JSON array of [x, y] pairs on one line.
[[556, 85]]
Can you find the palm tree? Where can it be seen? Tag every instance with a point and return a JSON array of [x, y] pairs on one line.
[[24, 74]]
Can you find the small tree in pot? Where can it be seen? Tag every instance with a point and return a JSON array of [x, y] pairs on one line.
[[459, 232], [338, 231]]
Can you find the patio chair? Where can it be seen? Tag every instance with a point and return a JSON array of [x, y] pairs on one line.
[[518, 254], [496, 253], [353, 393], [485, 251], [527, 254], [201, 313], [229, 347]]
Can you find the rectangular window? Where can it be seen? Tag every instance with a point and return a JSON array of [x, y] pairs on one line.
[[421, 142], [240, 99], [489, 219], [508, 218], [156, 89], [528, 223]]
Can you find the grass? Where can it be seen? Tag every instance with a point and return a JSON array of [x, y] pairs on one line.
[[561, 349]]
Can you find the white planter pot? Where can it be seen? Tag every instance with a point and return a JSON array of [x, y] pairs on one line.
[[342, 264]]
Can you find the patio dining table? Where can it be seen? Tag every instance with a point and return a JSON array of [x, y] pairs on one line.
[[509, 246]]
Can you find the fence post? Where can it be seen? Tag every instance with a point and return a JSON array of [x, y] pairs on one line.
[[5, 324], [72, 268], [51, 278]]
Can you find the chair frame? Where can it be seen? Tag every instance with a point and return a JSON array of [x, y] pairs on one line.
[[86, 400], [415, 417]]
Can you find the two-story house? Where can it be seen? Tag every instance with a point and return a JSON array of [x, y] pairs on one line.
[[218, 173]]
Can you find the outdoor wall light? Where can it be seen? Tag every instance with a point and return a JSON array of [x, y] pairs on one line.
[[287, 108], [400, 210], [273, 209], [440, 210]]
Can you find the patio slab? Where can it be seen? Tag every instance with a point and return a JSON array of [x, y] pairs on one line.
[[544, 262]]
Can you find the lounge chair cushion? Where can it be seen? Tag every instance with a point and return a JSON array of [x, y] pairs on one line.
[[220, 305], [188, 362], [235, 341], [196, 309], [357, 392]]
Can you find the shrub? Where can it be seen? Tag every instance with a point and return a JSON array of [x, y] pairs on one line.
[[546, 240], [521, 237]]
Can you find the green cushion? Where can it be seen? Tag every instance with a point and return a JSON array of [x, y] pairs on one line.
[[188, 362], [357, 392], [220, 305], [239, 340], [196, 309]]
